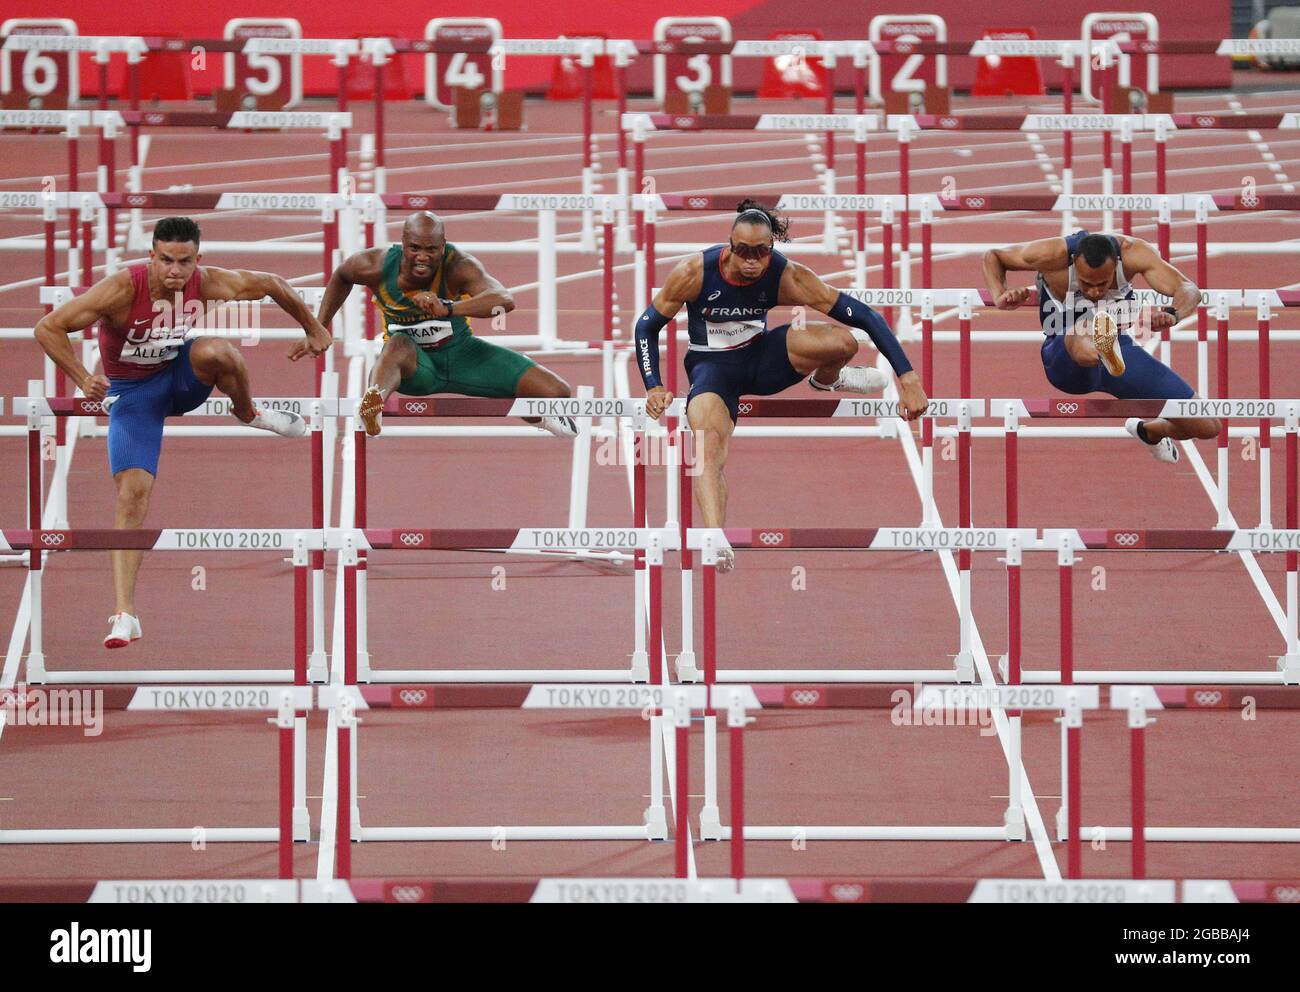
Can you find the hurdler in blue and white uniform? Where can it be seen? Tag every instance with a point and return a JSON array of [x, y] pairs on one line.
[[727, 291], [1085, 302]]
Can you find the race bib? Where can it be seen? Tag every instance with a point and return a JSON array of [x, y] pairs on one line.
[[158, 346], [727, 334], [427, 333]]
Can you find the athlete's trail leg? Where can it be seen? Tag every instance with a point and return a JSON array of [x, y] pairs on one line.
[[219, 363], [820, 348], [133, 488], [540, 382]]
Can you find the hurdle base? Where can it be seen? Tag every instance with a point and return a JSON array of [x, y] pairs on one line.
[[1014, 823], [656, 823], [928, 676], [1195, 677], [502, 835], [142, 835], [640, 670], [36, 673], [710, 824], [937, 833], [436, 676], [1288, 666], [236, 676], [1225, 835], [963, 664], [686, 668], [318, 668]]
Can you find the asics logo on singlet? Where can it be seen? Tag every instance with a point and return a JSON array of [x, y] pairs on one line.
[[1208, 697], [714, 295]]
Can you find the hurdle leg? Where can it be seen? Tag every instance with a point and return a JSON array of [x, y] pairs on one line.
[[35, 490], [710, 820], [1137, 722], [682, 807], [286, 722], [656, 815], [687, 670], [640, 671], [1014, 817], [736, 718], [1289, 663]]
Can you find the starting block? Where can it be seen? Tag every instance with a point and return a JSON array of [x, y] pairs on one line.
[[933, 100], [1133, 100], [710, 100], [487, 110]]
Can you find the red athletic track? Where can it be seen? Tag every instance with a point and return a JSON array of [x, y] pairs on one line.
[[1158, 610]]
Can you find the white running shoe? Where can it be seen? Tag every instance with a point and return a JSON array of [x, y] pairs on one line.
[[854, 379], [559, 426], [1164, 450], [371, 411], [279, 422], [126, 629]]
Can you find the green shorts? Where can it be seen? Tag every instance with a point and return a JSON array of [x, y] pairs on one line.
[[470, 367]]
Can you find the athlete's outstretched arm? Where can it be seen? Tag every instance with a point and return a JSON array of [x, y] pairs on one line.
[[240, 284], [104, 298], [362, 269], [800, 286], [1141, 258], [682, 284], [1046, 255]]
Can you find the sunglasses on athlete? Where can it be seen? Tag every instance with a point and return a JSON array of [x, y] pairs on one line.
[[752, 252]]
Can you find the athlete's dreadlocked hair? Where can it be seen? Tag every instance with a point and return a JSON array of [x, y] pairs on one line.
[[753, 212]]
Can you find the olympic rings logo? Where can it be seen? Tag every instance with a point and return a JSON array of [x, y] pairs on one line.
[[771, 537], [155, 119], [844, 892], [975, 201], [1286, 893], [1207, 697], [1249, 200], [417, 201], [902, 48], [1067, 407], [805, 697], [413, 697], [1127, 539], [408, 893], [412, 539], [1206, 120], [92, 406], [697, 202], [949, 122], [745, 408], [137, 200], [53, 540], [416, 406], [683, 122]]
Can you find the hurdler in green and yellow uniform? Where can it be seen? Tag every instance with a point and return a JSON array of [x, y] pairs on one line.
[[427, 291]]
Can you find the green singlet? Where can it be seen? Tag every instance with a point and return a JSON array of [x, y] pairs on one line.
[[450, 358]]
